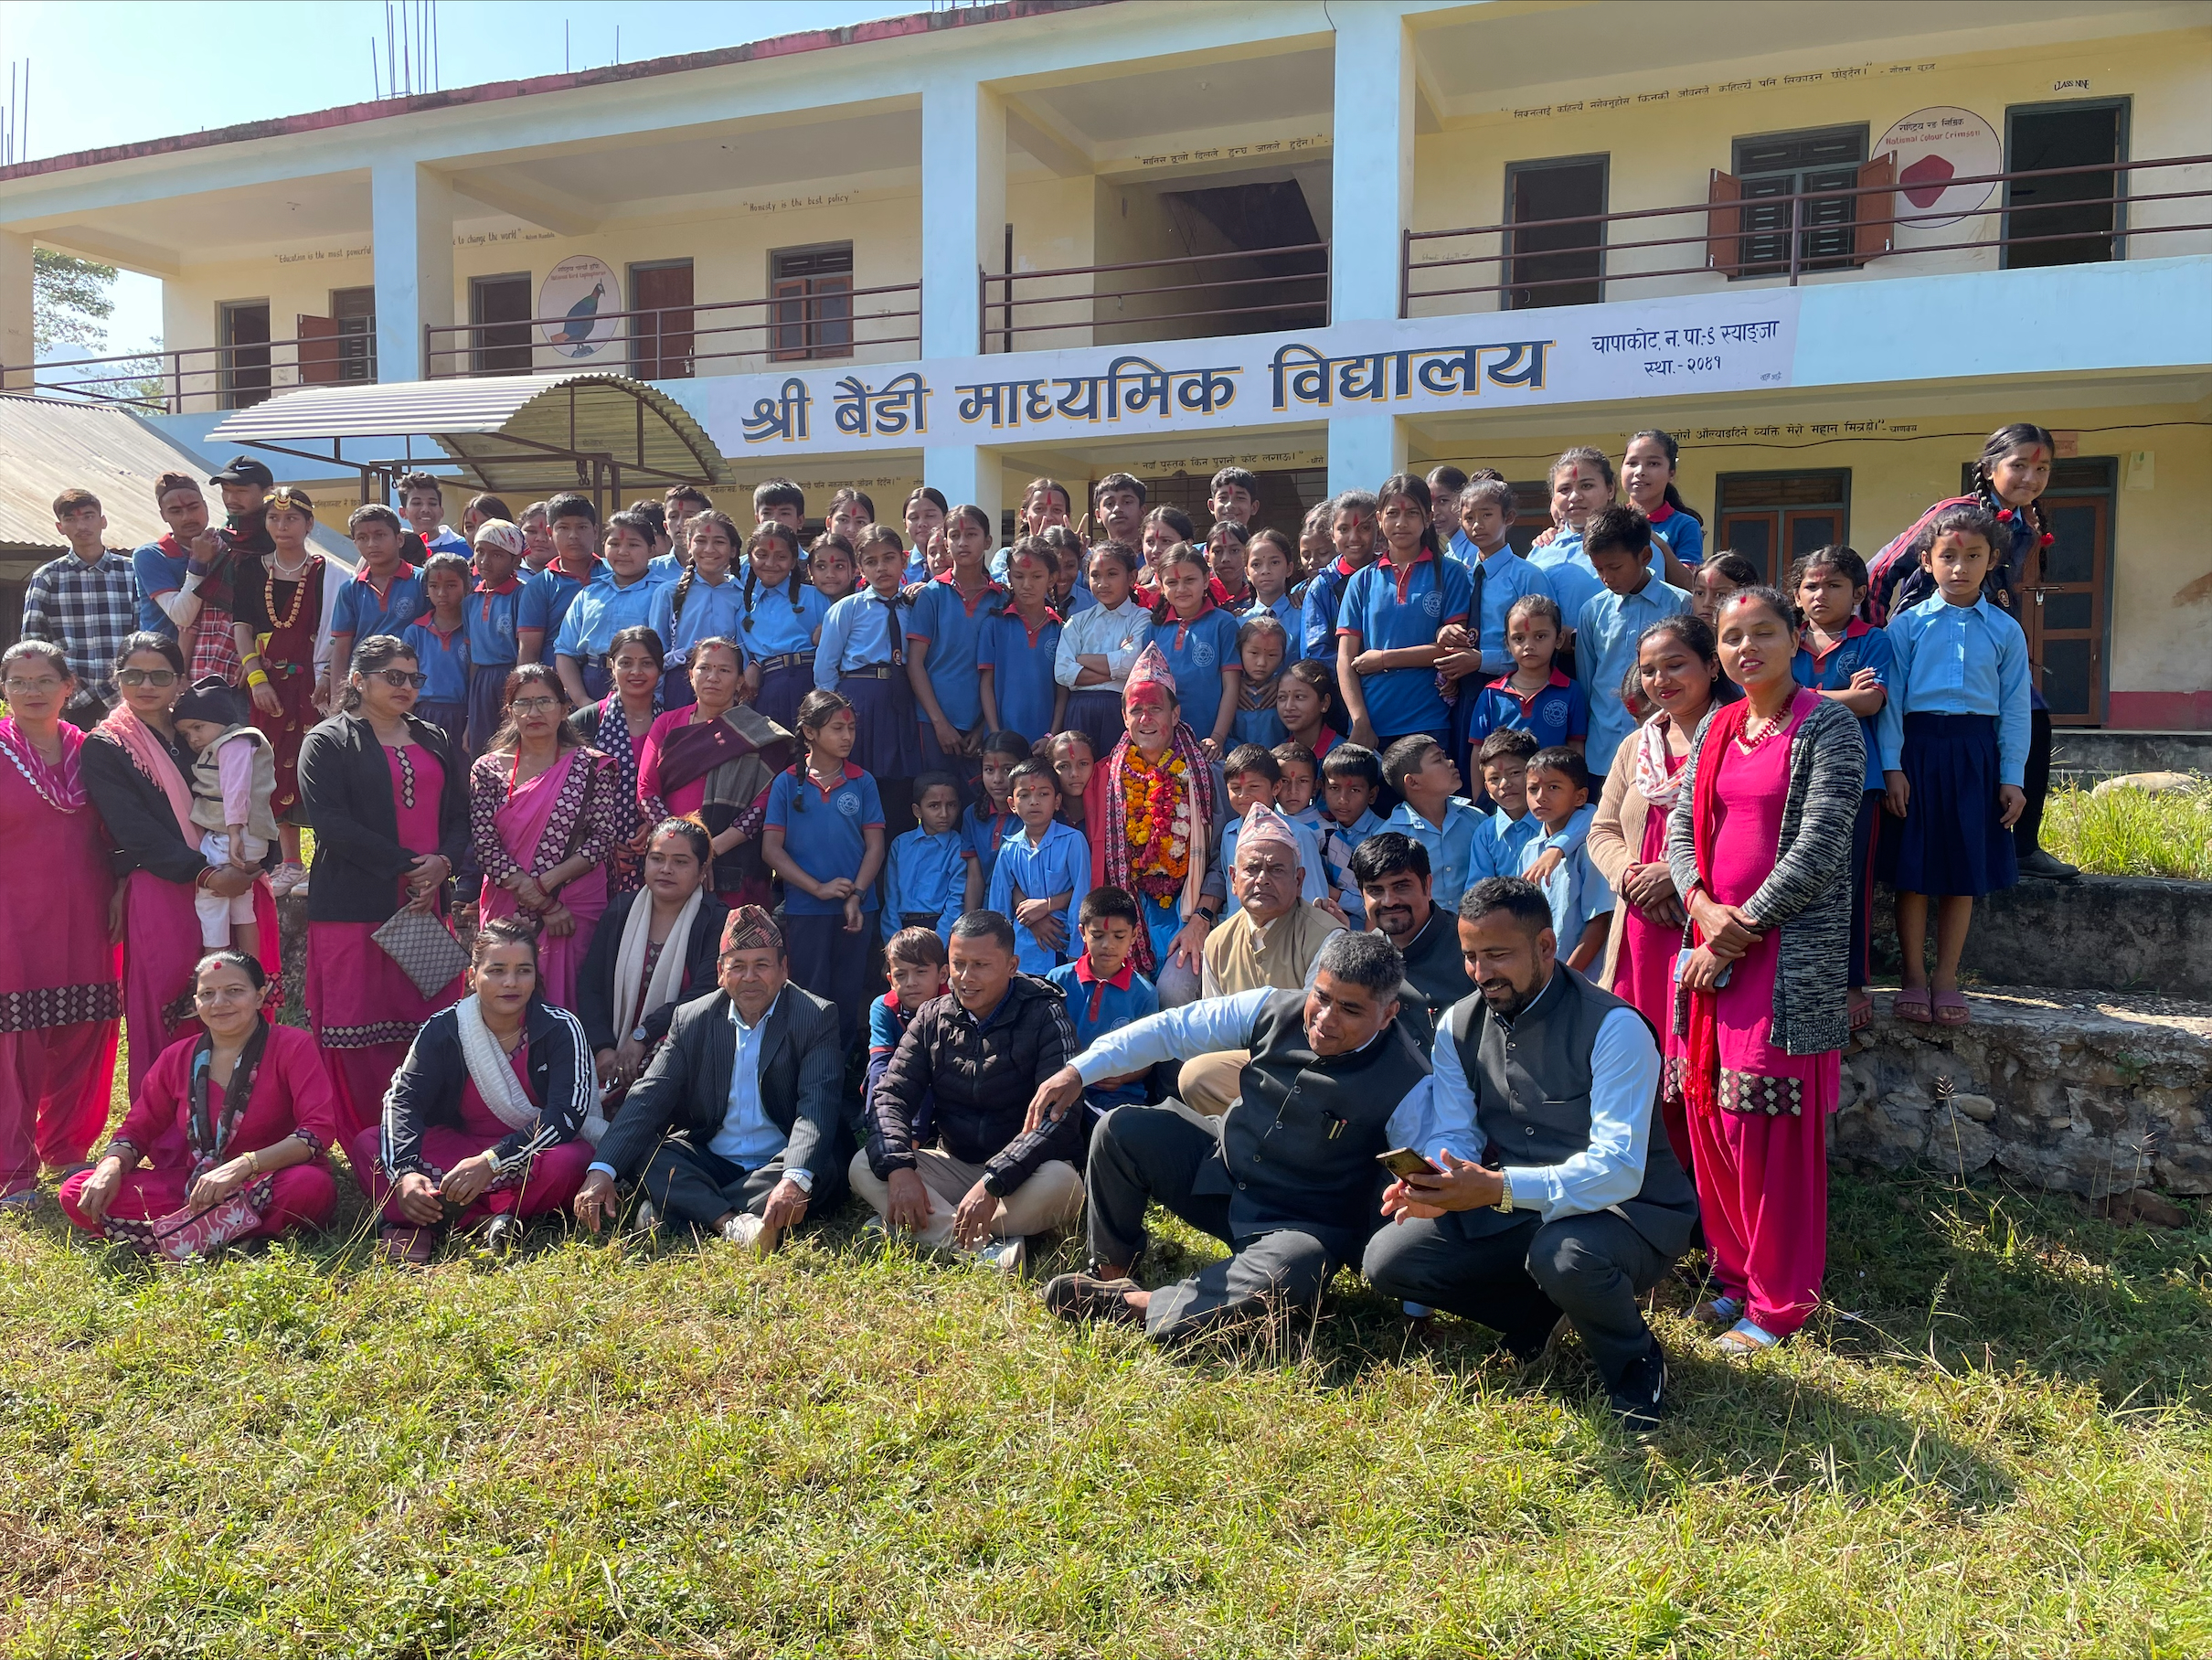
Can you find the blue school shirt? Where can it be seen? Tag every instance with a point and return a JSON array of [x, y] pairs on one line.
[[1021, 671], [665, 567], [1318, 611], [1079, 599], [444, 657], [601, 612], [1313, 879], [1605, 645], [822, 833], [778, 623], [1576, 891], [1261, 726], [1505, 577], [856, 634], [1572, 578], [1287, 611], [359, 612], [447, 540], [1059, 863], [1862, 646], [546, 599], [1959, 660], [1338, 844], [1390, 608], [954, 629], [491, 613], [1096, 1007], [710, 611], [1679, 531], [982, 832], [925, 873], [1509, 839], [1460, 855], [1197, 652], [1558, 710]]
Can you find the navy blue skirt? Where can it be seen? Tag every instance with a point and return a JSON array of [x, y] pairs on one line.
[[487, 702], [1952, 844], [782, 691], [888, 745], [1096, 712]]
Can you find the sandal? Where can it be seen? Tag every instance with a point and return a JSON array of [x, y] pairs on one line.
[[1862, 1011], [1744, 1339], [1912, 1004], [406, 1247], [1950, 1009]]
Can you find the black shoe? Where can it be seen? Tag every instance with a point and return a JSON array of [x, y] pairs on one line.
[[502, 1234], [1638, 1396], [1087, 1297], [2049, 867]]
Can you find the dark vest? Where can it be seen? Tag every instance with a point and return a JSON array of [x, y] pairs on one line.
[[1436, 977], [1531, 1085], [1300, 1144]]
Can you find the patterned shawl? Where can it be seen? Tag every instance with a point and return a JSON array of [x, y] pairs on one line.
[[1121, 872]]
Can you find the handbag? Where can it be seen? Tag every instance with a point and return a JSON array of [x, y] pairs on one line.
[[424, 948]]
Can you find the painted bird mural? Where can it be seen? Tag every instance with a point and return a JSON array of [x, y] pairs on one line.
[[577, 329]]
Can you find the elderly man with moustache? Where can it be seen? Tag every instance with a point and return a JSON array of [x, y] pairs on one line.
[[1571, 1203]]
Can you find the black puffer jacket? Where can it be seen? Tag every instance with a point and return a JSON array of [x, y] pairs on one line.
[[983, 1075]]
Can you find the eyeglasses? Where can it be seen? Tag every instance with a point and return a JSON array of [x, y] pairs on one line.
[[402, 677], [30, 688], [148, 676], [528, 706]]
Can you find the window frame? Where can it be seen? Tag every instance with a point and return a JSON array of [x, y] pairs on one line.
[[1604, 161]]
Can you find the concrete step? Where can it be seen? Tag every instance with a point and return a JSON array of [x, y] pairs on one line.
[[2096, 934], [2085, 754], [2073, 1092]]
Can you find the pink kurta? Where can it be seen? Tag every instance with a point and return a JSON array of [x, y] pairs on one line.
[[1643, 969], [1760, 1160]]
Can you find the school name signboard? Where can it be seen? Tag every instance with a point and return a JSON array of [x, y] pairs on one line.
[[1700, 343]]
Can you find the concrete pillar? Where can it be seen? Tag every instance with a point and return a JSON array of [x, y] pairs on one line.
[[17, 343], [1364, 450], [968, 472], [1371, 171], [412, 218], [963, 210]]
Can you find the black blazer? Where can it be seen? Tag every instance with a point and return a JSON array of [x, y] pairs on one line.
[[684, 1093], [141, 830], [426, 1090], [595, 999], [347, 786]]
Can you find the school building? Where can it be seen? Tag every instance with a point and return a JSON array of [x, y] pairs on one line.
[[1829, 247]]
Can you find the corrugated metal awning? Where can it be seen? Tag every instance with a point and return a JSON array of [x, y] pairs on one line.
[[511, 433]]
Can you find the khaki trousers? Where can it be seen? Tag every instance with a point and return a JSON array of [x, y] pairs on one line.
[[1050, 1199], [1210, 1082]]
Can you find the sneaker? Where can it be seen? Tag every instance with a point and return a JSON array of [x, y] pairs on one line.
[[1005, 1256], [502, 1234], [1086, 1297], [748, 1233], [1720, 1313], [2049, 867], [286, 879], [1638, 1397]]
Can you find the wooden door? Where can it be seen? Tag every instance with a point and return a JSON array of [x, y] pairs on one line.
[[319, 338], [662, 336], [2066, 611]]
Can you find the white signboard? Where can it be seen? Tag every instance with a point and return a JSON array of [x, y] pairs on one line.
[[1743, 341], [576, 301], [1933, 147]]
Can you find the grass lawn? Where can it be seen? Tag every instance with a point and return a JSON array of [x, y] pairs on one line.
[[2000, 1449], [2131, 832]]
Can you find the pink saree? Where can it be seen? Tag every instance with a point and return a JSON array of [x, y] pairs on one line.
[[542, 821]]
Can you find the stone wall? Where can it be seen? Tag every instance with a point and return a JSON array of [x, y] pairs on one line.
[[2099, 933], [2053, 1091]]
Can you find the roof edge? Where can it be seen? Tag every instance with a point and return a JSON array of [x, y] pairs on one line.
[[777, 46]]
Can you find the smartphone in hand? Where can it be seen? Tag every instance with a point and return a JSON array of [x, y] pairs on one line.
[[1404, 1161]]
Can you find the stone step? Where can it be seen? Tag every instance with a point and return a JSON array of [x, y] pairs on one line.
[[2099, 934], [2060, 1089], [2085, 754]]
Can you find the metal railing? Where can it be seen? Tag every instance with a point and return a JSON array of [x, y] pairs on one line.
[[200, 377], [1731, 248], [1247, 300], [673, 342]]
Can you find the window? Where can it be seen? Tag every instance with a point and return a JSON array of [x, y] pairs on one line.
[[810, 302], [245, 365], [1554, 264], [1531, 515], [2079, 212], [1770, 518], [660, 342], [1751, 214], [499, 307], [354, 310]]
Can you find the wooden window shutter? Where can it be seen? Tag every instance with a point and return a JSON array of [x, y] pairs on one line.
[[1724, 224], [1876, 231], [318, 349], [788, 314]]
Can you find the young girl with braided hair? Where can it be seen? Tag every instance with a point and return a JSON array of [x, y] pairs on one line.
[[701, 605], [779, 623]]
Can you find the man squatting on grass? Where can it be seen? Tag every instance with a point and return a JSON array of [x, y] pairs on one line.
[[1555, 1194]]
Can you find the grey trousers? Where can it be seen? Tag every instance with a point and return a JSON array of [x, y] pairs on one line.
[[1517, 1274], [1139, 1155], [692, 1185]]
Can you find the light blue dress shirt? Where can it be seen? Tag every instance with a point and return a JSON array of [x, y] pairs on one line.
[[856, 633], [748, 1135], [601, 612], [1575, 890], [1605, 645], [1059, 862], [1460, 854], [1509, 836], [1959, 660], [1624, 1083], [1422, 1121], [710, 612], [1506, 577]]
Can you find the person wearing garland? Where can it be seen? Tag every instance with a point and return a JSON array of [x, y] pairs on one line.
[[282, 620]]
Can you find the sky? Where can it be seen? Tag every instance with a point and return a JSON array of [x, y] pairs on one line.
[[183, 66]]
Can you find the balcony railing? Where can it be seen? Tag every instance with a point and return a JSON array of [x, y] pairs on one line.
[[676, 343], [200, 377], [1242, 292], [1737, 237]]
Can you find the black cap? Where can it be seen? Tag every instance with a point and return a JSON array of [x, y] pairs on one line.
[[245, 470], [208, 699]]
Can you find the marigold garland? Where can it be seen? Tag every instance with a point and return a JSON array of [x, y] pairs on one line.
[[1158, 819]]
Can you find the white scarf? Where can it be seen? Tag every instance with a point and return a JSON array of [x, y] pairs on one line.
[[634, 998], [1655, 783], [494, 1078]]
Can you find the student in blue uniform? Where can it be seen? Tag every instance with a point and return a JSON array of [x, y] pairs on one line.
[[573, 523], [862, 655], [1387, 632], [1582, 903], [1200, 640], [1617, 542], [441, 645], [1433, 814], [1263, 644], [915, 961], [1041, 871], [1270, 565], [1352, 535], [1104, 991], [925, 875], [620, 596], [1020, 641], [383, 595], [1536, 697], [700, 603], [494, 607], [944, 633], [779, 622], [990, 818], [1351, 780], [1647, 478]]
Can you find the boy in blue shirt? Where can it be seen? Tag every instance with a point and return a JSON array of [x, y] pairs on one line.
[[916, 961], [383, 595], [989, 819], [441, 645], [573, 523], [620, 596], [1434, 815], [493, 609], [1254, 777], [1582, 903], [925, 875], [1618, 543], [1504, 760], [1039, 871], [1104, 991], [423, 504], [1351, 779]]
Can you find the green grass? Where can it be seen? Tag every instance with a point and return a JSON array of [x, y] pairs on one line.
[[2001, 1449], [2131, 832]]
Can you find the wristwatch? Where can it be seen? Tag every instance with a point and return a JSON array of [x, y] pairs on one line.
[[1504, 1192], [638, 1034], [1208, 917]]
